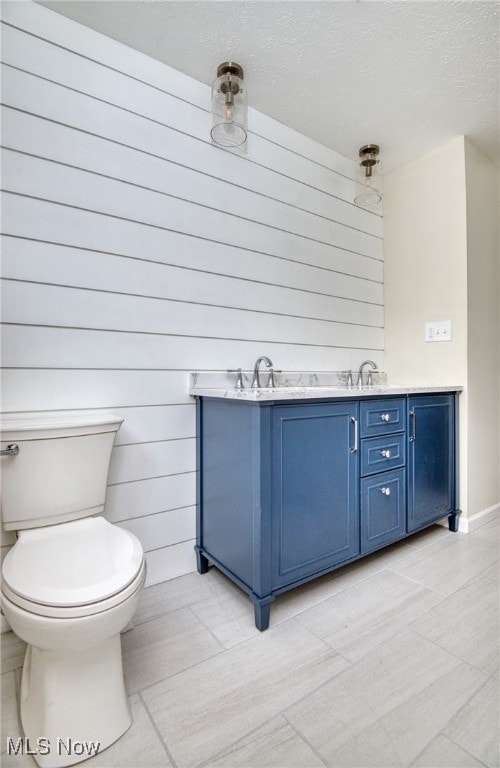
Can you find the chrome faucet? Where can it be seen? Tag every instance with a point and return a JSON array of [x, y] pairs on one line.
[[360, 372], [256, 378]]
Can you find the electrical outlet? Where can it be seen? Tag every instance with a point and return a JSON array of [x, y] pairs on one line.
[[438, 331]]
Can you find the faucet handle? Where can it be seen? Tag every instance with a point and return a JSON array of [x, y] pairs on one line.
[[272, 381], [239, 378], [348, 378]]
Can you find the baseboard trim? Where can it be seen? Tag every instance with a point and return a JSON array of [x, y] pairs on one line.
[[469, 524]]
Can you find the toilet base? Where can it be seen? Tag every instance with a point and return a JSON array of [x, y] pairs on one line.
[[73, 703]]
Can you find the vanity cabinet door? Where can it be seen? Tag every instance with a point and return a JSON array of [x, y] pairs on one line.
[[431, 459], [383, 509], [315, 498]]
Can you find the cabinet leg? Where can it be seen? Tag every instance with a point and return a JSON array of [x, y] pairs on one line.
[[262, 612], [201, 561], [453, 522]]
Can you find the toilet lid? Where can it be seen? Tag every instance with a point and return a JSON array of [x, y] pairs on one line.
[[74, 563]]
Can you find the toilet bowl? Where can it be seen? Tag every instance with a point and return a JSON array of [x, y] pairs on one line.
[[71, 584]]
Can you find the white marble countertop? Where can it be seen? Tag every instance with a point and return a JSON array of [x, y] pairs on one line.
[[210, 385]]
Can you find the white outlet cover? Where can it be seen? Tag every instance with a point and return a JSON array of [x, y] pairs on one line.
[[439, 330]]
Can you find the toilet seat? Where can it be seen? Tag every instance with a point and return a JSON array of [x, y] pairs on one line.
[[73, 569], [77, 611]]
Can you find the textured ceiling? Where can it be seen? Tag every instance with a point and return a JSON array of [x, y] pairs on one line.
[[407, 74]]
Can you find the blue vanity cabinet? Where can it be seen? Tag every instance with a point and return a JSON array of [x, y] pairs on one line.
[[290, 490], [431, 460], [315, 502]]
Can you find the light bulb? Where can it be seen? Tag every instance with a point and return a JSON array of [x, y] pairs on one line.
[[229, 105]]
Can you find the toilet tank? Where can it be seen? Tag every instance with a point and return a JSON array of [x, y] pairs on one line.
[[60, 472]]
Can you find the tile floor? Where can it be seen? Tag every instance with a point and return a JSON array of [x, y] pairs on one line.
[[391, 661]]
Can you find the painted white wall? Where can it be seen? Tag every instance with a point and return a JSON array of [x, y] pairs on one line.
[[483, 347], [425, 275], [135, 251], [441, 263]]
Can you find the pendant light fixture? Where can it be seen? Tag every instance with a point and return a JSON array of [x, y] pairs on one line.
[[368, 177], [229, 106]]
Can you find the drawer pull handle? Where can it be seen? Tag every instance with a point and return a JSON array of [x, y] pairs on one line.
[[385, 491], [386, 453], [385, 416]]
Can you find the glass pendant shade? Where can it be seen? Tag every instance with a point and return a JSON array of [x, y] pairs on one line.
[[368, 192], [229, 106]]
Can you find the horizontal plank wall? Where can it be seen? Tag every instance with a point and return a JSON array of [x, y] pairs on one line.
[[135, 251]]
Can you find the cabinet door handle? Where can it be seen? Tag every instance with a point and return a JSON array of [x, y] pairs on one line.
[[356, 434], [386, 453], [385, 416], [412, 426], [386, 491]]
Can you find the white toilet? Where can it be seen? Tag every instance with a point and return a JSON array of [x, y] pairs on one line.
[[71, 583]]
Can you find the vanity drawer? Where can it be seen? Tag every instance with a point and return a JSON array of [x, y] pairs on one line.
[[379, 454], [382, 417], [383, 509]]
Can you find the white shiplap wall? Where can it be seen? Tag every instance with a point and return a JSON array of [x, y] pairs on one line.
[[135, 251]]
